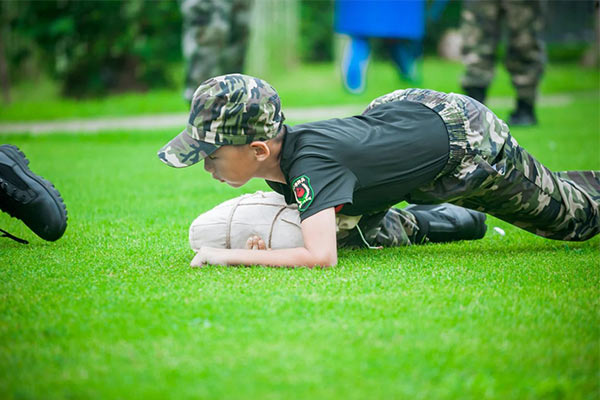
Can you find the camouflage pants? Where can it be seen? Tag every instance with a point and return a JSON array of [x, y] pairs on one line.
[[392, 228], [488, 171], [481, 31], [215, 38]]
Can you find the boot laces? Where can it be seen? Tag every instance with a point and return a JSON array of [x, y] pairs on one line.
[[13, 237]]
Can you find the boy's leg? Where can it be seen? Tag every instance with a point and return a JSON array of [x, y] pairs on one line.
[[586, 180], [415, 224], [497, 176]]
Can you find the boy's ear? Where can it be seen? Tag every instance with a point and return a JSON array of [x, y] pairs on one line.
[[261, 150]]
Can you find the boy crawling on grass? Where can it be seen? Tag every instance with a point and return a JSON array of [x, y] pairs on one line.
[[417, 145], [264, 220]]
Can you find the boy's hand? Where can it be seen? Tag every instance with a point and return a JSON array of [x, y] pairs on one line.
[[199, 259], [255, 243], [208, 255], [214, 256]]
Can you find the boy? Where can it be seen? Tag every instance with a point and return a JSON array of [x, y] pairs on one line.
[[264, 220], [416, 145]]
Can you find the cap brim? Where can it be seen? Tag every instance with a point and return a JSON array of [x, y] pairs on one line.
[[184, 151]]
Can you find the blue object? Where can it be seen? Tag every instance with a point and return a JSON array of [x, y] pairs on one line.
[[354, 64], [381, 18]]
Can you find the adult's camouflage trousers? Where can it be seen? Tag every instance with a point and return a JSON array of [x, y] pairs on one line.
[[215, 39], [482, 22], [488, 171]]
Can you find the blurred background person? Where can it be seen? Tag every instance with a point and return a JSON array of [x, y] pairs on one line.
[[481, 26], [400, 23], [214, 40]]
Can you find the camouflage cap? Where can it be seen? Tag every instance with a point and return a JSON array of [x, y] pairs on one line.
[[232, 109]]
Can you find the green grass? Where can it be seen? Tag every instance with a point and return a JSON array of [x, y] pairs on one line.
[[305, 86], [112, 310]]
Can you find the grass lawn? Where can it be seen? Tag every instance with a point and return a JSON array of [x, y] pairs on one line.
[[112, 310], [305, 86]]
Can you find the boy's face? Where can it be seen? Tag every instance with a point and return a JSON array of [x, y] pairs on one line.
[[234, 165]]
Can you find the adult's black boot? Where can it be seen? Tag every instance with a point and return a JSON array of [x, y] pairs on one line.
[[477, 93], [524, 114], [448, 223], [29, 197]]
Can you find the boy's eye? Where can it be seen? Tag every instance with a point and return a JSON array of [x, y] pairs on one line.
[[212, 157]]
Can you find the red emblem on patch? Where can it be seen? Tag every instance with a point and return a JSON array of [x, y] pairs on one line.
[[303, 192]]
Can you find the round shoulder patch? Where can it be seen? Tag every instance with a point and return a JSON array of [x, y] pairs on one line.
[[303, 192]]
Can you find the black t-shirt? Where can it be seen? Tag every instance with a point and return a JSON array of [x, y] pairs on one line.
[[366, 163]]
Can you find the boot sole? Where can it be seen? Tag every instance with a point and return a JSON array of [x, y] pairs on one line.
[[15, 154]]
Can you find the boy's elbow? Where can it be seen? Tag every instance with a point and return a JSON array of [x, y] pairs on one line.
[[325, 260], [332, 262]]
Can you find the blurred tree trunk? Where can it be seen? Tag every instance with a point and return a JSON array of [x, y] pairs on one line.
[[273, 43], [4, 79]]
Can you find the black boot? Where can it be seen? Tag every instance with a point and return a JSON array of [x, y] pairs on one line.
[[29, 197], [524, 115], [447, 222], [477, 93]]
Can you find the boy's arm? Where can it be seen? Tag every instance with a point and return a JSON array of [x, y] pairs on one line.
[[320, 248]]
